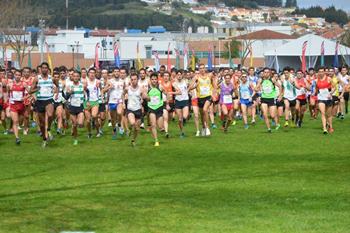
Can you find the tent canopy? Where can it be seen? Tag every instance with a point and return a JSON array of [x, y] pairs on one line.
[[290, 54], [314, 42]]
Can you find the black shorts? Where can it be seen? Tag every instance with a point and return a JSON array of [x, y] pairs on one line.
[[201, 101], [102, 107], [255, 97], [346, 96], [269, 101], [57, 104], [1, 108], [137, 113], [335, 100], [40, 105], [279, 103], [158, 112], [292, 103], [76, 110], [145, 107], [302, 102], [171, 105], [328, 103], [181, 104]]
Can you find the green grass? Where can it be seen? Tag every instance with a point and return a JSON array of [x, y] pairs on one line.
[[293, 180]]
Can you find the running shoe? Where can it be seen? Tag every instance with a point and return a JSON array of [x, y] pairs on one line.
[[156, 144], [278, 126], [44, 144], [286, 124], [99, 135], [167, 135], [207, 132], [50, 136], [198, 133], [325, 132], [246, 126], [182, 135], [331, 130], [18, 141], [75, 143], [234, 123], [269, 131], [213, 126], [133, 143]]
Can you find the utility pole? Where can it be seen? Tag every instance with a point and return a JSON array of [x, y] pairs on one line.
[[67, 16], [42, 39]]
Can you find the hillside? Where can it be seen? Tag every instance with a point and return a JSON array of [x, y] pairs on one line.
[[117, 14]]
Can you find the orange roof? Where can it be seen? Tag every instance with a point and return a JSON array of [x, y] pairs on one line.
[[264, 35], [333, 33]]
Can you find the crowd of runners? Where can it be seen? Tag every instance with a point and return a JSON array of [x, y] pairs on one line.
[[64, 100]]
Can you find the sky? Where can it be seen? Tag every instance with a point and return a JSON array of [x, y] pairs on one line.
[[341, 4]]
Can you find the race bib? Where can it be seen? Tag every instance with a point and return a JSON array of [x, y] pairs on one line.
[[204, 90], [45, 91], [17, 95], [227, 99], [267, 89], [155, 100], [75, 102], [245, 95], [324, 94]]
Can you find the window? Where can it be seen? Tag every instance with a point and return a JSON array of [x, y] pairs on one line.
[[148, 51]]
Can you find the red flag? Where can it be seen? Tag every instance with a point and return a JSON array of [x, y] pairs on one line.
[[169, 62], [97, 64], [303, 57]]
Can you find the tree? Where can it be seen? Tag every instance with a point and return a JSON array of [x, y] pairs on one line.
[[15, 16], [345, 38], [235, 46]]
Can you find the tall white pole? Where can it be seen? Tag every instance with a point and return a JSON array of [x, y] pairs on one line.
[[67, 24]]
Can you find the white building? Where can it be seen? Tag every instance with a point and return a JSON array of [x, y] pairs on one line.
[[82, 41]]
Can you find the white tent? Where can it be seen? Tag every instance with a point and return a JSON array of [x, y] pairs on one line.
[[290, 53]]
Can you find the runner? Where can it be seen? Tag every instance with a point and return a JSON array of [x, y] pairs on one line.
[[344, 89], [313, 106], [28, 99], [324, 95], [103, 100], [181, 101], [3, 90], [226, 101], [206, 87], [46, 88], [268, 98], [302, 87], [17, 90], [169, 105], [289, 96], [75, 96], [144, 84], [253, 79], [135, 94], [194, 105], [155, 106], [92, 87], [337, 86], [115, 87], [246, 93], [59, 102]]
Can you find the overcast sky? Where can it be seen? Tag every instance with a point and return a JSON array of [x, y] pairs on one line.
[[341, 4]]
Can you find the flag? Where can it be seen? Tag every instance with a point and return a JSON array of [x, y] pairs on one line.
[[322, 53], [116, 55], [97, 64], [193, 60], [156, 60], [177, 52], [168, 59], [229, 55], [49, 60], [210, 58], [29, 58], [138, 59], [185, 58], [251, 56], [303, 57], [5, 59], [336, 58]]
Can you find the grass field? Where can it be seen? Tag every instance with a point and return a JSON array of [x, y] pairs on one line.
[[293, 180]]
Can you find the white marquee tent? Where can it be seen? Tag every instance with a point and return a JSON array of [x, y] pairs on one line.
[[290, 54]]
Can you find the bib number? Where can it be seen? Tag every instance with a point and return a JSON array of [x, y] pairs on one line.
[[227, 99], [17, 95], [204, 91], [245, 95], [155, 100], [75, 102], [267, 89], [46, 91]]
